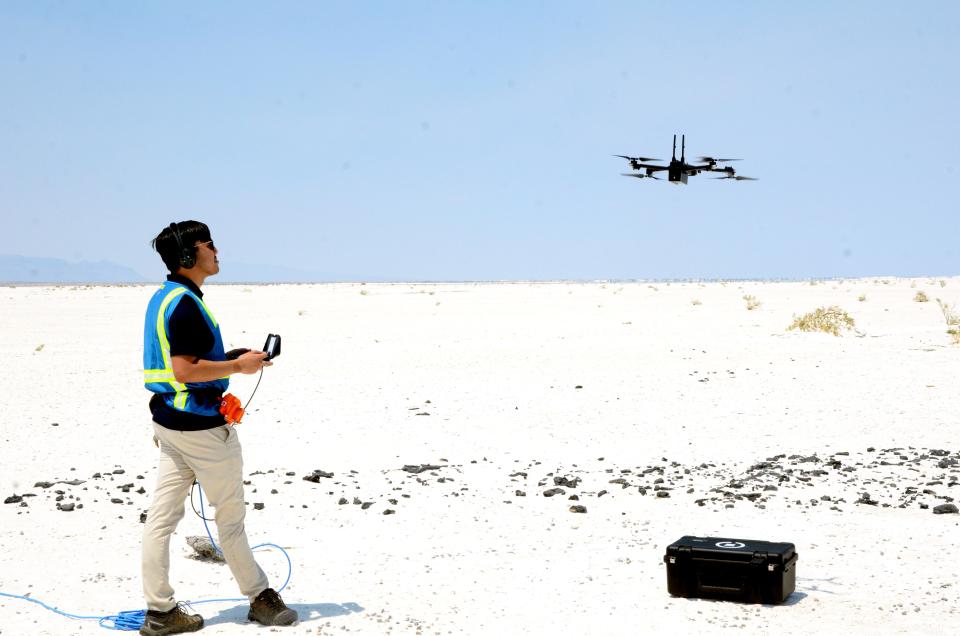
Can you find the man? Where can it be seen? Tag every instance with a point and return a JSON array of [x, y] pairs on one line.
[[187, 369]]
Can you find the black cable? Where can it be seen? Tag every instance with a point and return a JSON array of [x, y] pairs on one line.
[[194, 486], [254, 391], [193, 505]]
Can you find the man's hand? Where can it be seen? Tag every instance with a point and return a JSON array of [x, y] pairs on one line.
[[252, 361]]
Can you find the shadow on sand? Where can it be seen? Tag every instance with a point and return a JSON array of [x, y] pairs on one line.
[[307, 611], [793, 599]]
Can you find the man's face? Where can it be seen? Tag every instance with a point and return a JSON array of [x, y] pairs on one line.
[[207, 261]]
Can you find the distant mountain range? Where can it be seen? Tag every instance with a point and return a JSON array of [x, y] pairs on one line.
[[27, 269]]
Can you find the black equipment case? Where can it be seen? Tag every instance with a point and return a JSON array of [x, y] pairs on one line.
[[731, 569]]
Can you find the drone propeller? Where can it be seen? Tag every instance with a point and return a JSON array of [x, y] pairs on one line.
[[737, 177], [637, 158], [714, 160], [639, 175]]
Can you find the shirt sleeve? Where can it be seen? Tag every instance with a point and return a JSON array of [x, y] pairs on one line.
[[188, 332]]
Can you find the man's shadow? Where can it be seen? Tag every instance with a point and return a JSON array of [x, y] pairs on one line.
[[307, 611]]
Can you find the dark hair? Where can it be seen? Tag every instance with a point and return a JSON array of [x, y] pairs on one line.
[[165, 243]]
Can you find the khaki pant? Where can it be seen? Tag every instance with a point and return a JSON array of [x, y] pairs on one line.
[[213, 458]]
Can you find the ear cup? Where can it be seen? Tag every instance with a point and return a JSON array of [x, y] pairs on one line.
[[187, 258], [188, 255]]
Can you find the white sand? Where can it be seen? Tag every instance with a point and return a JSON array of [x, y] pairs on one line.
[[496, 366]]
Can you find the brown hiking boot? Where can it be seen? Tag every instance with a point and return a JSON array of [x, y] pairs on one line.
[[176, 621], [269, 609]]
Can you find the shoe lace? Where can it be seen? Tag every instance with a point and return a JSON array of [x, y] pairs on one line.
[[273, 600], [180, 611], [183, 606]]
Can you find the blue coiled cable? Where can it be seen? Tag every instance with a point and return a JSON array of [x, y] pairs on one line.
[[132, 620]]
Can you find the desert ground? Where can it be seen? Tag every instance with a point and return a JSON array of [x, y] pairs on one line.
[[663, 409]]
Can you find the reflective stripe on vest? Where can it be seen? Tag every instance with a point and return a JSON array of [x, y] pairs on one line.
[[158, 374], [166, 374]]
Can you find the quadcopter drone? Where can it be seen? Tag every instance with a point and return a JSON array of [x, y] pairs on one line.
[[679, 171]]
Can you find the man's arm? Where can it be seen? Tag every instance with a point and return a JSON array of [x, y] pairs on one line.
[[193, 369]]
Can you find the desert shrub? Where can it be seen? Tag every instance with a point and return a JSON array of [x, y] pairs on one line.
[[862, 297], [943, 283], [752, 302], [696, 301], [954, 335], [826, 319], [921, 297], [949, 313]]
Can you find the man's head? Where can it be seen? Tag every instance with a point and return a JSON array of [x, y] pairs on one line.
[[193, 254]]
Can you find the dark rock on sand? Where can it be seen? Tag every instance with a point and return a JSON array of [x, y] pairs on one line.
[[580, 509], [566, 481], [316, 475], [554, 491], [416, 470], [945, 509]]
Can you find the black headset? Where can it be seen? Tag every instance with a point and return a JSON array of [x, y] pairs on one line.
[[187, 255]]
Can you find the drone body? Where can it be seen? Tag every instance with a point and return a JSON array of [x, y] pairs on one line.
[[678, 171]]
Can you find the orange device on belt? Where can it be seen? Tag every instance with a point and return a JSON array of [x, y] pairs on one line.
[[231, 409]]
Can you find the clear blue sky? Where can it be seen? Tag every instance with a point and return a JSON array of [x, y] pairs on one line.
[[473, 140]]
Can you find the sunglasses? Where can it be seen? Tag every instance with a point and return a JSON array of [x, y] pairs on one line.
[[210, 243]]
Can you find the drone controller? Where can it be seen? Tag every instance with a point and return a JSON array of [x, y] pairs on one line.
[[230, 404], [272, 346]]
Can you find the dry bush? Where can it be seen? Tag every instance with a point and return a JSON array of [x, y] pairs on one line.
[[752, 302], [862, 297], [696, 301], [949, 313], [364, 292], [954, 335], [943, 283], [826, 319], [920, 297]]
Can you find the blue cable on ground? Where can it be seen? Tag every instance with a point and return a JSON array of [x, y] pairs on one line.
[[132, 620]]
